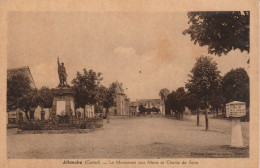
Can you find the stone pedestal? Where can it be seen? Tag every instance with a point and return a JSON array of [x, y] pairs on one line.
[[236, 133], [63, 101]]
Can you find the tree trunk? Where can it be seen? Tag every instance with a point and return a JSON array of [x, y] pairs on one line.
[[107, 115], [198, 117], [32, 115], [27, 116], [163, 108], [84, 112], [207, 120], [206, 114]]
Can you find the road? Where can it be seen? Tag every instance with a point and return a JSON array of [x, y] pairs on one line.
[[141, 137]]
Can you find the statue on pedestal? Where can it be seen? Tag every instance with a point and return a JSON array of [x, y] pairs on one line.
[[63, 95], [62, 74]]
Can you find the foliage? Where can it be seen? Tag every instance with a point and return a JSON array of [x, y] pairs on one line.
[[193, 102], [236, 86], [98, 108], [204, 82], [18, 85], [107, 96], [164, 93], [62, 123], [28, 102], [171, 101], [180, 99], [220, 31], [217, 99], [20, 95], [142, 109], [155, 109], [45, 97], [86, 87], [204, 79], [176, 100]]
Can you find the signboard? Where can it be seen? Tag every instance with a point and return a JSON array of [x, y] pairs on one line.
[[236, 109]]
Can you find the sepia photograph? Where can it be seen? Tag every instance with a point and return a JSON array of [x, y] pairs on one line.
[[137, 83], [128, 85]]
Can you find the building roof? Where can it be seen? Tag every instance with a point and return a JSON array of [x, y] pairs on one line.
[[24, 70], [133, 103], [155, 102], [236, 102]]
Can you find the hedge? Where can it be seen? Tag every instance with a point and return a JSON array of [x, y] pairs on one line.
[[62, 123]]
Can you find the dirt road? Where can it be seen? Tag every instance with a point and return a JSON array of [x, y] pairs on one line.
[[141, 137]]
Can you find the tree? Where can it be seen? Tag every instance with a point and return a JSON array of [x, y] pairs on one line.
[[17, 86], [98, 108], [28, 102], [170, 102], [194, 103], [155, 109], [176, 101], [21, 95], [149, 110], [45, 97], [181, 101], [236, 86], [86, 87], [163, 94], [220, 31], [204, 81], [217, 99], [142, 109], [107, 96]]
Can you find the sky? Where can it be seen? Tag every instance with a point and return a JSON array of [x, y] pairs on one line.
[[144, 51]]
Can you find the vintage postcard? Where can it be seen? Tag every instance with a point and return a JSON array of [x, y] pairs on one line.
[[129, 83]]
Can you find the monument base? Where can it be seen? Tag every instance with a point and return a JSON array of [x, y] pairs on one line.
[[63, 101]]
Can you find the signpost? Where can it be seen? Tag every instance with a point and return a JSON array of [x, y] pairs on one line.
[[236, 110]]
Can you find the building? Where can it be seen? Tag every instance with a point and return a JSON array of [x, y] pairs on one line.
[[24, 70], [42, 113], [122, 102], [133, 109], [89, 112], [150, 104]]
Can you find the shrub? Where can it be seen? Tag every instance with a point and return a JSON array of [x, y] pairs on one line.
[[61, 123]]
